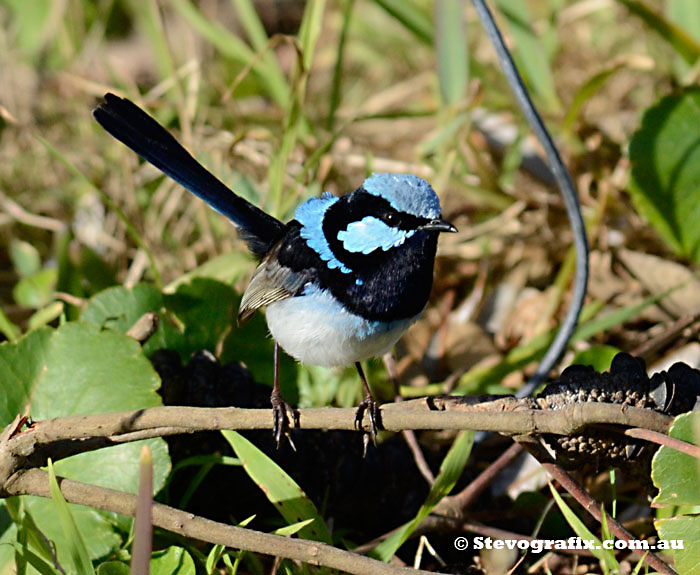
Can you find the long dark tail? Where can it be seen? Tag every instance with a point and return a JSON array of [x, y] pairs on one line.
[[136, 129]]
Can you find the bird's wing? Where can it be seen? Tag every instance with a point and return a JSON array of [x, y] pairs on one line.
[[136, 129], [271, 282]]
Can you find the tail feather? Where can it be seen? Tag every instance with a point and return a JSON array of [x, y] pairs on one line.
[[137, 130]]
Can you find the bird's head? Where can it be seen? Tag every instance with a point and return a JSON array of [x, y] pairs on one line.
[[389, 212]]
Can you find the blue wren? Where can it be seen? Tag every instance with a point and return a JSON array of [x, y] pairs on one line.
[[341, 282]]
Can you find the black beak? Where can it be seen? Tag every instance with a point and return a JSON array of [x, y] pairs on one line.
[[438, 225]]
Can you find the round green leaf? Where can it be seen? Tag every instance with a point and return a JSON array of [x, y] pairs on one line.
[[665, 159], [35, 290], [193, 318], [25, 258], [82, 369], [682, 531], [172, 561], [113, 568], [675, 474]]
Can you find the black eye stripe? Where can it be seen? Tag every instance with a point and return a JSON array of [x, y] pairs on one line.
[[360, 204]]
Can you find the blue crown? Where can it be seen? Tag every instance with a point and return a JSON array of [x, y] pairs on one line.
[[405, 193]]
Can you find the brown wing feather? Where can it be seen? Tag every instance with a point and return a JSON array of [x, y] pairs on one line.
[[271, 282]]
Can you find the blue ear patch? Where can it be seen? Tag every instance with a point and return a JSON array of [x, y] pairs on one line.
[[310, 216], [405, 193], [370, 234]]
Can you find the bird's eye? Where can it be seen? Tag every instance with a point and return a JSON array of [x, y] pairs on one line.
[[390, 218]]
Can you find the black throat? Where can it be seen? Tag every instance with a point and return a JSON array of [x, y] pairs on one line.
[[383, 285]]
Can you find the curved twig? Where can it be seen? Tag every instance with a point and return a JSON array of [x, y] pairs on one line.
[[36, 482]]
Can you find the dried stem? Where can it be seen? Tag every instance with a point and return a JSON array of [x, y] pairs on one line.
[[22, 452]]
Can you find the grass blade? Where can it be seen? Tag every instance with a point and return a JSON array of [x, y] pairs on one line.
[[289, 530], [450, 471], [258, 38], [412, 17], [309, 33], [280, 489], [234, 48], [681, 41], [452, 50], [76, 544], [42, 566], [336, 84], [529, 52], [7, 328], [605, 556]]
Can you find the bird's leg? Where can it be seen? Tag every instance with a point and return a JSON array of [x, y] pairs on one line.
[[280, 408], [369, 405]]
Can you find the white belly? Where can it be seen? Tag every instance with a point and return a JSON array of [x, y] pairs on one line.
[[315, 329]]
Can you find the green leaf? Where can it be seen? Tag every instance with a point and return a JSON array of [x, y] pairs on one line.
[[25, 258], [599, 357], [280, 489], [35, 291], [81, 369], [450, 471], [11, 536], [207, 310], [293, 529], [113, 568], [118, 308], [605, 556], [40, 564], [676, 474], [172, 561], [213, 557], [665, 160], [686, 532], [46, 315], [7, 328], [76, 544], [452, 50], [31, 543], [193, 318]]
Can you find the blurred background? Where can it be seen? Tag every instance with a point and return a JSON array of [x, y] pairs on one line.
[[281, 114]]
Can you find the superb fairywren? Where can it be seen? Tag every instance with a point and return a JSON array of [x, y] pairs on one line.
[[341, 282]]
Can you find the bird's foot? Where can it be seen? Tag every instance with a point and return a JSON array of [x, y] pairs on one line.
[[371, 407], [282, 412]]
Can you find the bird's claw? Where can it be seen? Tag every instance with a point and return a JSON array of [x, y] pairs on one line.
[[369, 405], [281, 414]]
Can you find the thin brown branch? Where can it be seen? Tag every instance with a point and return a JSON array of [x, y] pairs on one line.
[[663, 439], [63, 437], [591, 505], [454, 505], [408, 434], [503, 416], [35, 482], [58, 438]]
